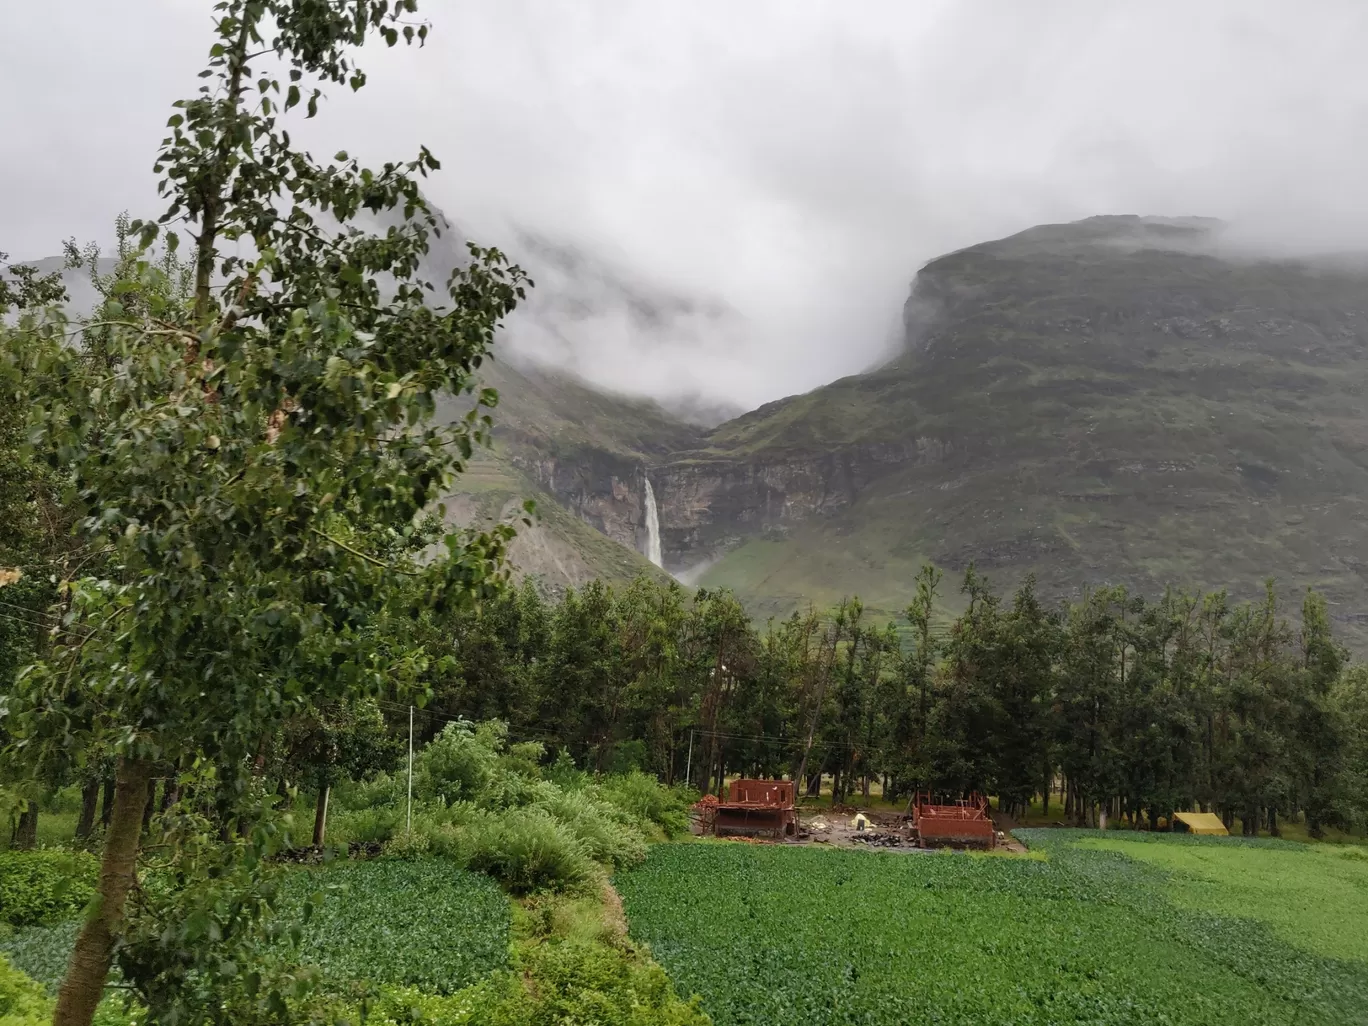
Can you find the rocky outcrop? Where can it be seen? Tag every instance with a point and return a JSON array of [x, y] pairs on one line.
[[604, 491]]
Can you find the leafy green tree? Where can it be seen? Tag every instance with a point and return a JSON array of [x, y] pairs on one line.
[[341, 740], [1319, 726], [221, 454], [1024, 689], [32, 526]]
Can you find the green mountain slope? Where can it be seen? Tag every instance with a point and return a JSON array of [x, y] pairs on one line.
[[1103, 402]]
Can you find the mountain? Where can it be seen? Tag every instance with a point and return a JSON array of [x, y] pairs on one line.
[[579, 454], [1117, 400]]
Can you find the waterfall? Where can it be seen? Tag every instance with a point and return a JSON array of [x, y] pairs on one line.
[[652, 526]]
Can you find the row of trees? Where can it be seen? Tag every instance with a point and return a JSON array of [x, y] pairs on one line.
[[1111, 703]]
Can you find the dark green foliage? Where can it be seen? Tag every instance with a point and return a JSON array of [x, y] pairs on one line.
[[250, 462], [425, 924], [1113, 703], [491, 807], [527, 849], [44, 886], [827, 936]]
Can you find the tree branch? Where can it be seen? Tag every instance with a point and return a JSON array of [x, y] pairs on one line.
[[357, 552]]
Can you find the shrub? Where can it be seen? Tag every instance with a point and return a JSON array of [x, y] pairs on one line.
[[380, 790], [526, 849], [510, 789], [380, 824], [604, 985], [500, 1000], [569, 983], [23, 1001], [602, 829], [649, 801], [45, 885], [460, 761]]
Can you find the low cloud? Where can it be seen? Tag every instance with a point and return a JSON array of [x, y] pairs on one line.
[[773, 173]]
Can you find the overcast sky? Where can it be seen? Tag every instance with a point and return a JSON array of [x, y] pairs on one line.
[[794, 160]]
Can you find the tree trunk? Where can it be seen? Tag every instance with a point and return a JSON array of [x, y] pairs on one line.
[[170, 792], [1273, 830], [151, 804], [107, 804], [25, 834], [321, 815], [90, 800], [89, 965]]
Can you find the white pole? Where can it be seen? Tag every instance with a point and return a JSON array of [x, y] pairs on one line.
[[408, 826], [688, 766]]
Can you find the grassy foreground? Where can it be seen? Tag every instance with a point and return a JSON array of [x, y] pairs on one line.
[[1087, 931]]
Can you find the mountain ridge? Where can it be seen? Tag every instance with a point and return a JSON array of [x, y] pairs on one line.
[[1112, 401]]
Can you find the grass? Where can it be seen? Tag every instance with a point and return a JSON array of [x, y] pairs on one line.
[[1072, 935], [1289, 829], [1315, 898]]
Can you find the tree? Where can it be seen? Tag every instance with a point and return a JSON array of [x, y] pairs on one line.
[[343, 739], [31, 525], [222, 454], [1319, 726]]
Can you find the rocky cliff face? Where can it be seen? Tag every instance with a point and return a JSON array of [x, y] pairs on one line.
[[604, 491]]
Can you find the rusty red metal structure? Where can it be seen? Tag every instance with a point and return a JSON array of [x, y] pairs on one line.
[[962, 823], [757, 807]]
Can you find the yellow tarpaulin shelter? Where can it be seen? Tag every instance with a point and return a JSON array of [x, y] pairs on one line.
[[1201, 823]]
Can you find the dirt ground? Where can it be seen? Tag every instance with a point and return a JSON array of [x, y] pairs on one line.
[[884, 831]]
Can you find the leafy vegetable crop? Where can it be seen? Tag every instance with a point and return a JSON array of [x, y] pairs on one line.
[[811, 935], [424, 924]]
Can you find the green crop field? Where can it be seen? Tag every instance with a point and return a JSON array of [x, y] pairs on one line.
[[1084, 930], [425, 924]]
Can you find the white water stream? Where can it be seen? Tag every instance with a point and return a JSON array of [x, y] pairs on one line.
[[652, 526]]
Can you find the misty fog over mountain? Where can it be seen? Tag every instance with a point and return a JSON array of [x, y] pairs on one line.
[[789, 164]]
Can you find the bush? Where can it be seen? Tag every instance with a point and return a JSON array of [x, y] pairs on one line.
[[594, 983], [381, 790], [569, 983], [498, 1001], [602, 829], [649, 801], [525, 849], [45, 885], [380, 825], [23, 1001], [510, 789], [459, 762]]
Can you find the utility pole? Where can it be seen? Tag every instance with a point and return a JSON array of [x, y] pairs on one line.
[[408, 826]]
